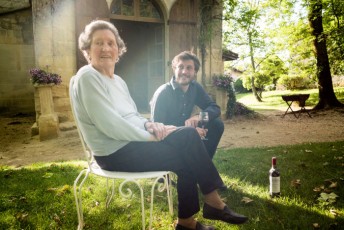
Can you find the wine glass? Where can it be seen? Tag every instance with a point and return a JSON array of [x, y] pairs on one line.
[[203, 119]]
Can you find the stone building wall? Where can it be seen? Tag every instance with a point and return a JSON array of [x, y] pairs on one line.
[[55, 47], [16, 58], [45, 37]]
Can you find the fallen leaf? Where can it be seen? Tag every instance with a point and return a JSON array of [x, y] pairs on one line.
[[316, 225], [317, 189], [246, 200], [333, 185], [296, 183], [21, 216]]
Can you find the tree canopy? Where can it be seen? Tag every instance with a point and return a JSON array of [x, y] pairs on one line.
[[270, 32]]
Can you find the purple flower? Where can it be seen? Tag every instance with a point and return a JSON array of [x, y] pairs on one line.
[[41, 77], [222, 81]]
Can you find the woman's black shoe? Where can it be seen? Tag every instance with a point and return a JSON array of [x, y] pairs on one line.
[[199, 226], [225, 215]]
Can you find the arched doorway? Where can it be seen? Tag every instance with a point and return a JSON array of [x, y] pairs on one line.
[[141, 25]]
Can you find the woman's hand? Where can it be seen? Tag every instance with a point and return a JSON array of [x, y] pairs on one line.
[[159, 130]]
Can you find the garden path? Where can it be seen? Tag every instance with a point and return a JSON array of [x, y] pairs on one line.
[[18, 148]]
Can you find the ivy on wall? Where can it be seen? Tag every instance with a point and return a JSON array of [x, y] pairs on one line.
[[207, 20]]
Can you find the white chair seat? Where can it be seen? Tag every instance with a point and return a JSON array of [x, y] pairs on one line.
[[126, 175]]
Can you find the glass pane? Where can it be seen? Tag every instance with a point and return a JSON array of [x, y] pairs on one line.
[[147, 9], [128, 7], [116, 7]]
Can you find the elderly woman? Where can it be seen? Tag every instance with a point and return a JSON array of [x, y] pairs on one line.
[[122, 140]]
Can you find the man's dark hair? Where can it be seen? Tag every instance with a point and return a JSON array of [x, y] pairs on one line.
[[186, 55]]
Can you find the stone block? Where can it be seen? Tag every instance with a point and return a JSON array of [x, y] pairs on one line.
[[48, 127]]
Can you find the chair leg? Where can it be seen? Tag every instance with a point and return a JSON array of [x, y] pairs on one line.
[[152, 201], [166, 185], [129, 193], [169, 194], [78, 196]]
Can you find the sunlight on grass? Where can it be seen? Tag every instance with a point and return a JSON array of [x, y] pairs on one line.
[[272, 100]]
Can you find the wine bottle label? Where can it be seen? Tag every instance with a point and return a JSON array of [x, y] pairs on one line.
[[274, 184]]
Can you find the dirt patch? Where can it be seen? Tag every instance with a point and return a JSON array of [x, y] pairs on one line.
[[18, 148]]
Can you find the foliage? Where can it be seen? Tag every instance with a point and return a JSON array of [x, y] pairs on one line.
[[222, 82], [208, 18], [40, 196], [296, 82], [243, 23], [41, 77], [233, 108], [284, 30], [242, 110], [225, 82], [333, 22], [238, 86]]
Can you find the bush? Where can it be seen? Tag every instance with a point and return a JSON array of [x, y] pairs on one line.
[[233, 108], [295, 82], [239, 87]]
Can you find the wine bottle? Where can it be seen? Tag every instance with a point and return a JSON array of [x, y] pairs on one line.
[[274, 176]]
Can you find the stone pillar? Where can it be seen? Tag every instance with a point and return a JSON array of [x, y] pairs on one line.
[[48, 122], [221, 100]]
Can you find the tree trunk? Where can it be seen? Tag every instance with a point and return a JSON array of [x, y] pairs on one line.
[[254, 89], [327, 98]]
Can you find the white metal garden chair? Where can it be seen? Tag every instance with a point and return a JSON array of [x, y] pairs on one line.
[[125, 177]]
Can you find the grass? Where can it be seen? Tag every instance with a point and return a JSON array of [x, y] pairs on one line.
[[272, 100], [40, 196]]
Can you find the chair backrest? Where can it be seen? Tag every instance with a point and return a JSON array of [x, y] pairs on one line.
[[86, 149]]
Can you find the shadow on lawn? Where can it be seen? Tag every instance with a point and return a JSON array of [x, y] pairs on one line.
[[41, 197], [246, 171]]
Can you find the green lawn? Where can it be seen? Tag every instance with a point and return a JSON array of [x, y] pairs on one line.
[[40, 196], [272, 100]]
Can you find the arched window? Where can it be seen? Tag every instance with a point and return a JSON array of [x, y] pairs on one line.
[[136, 10]]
